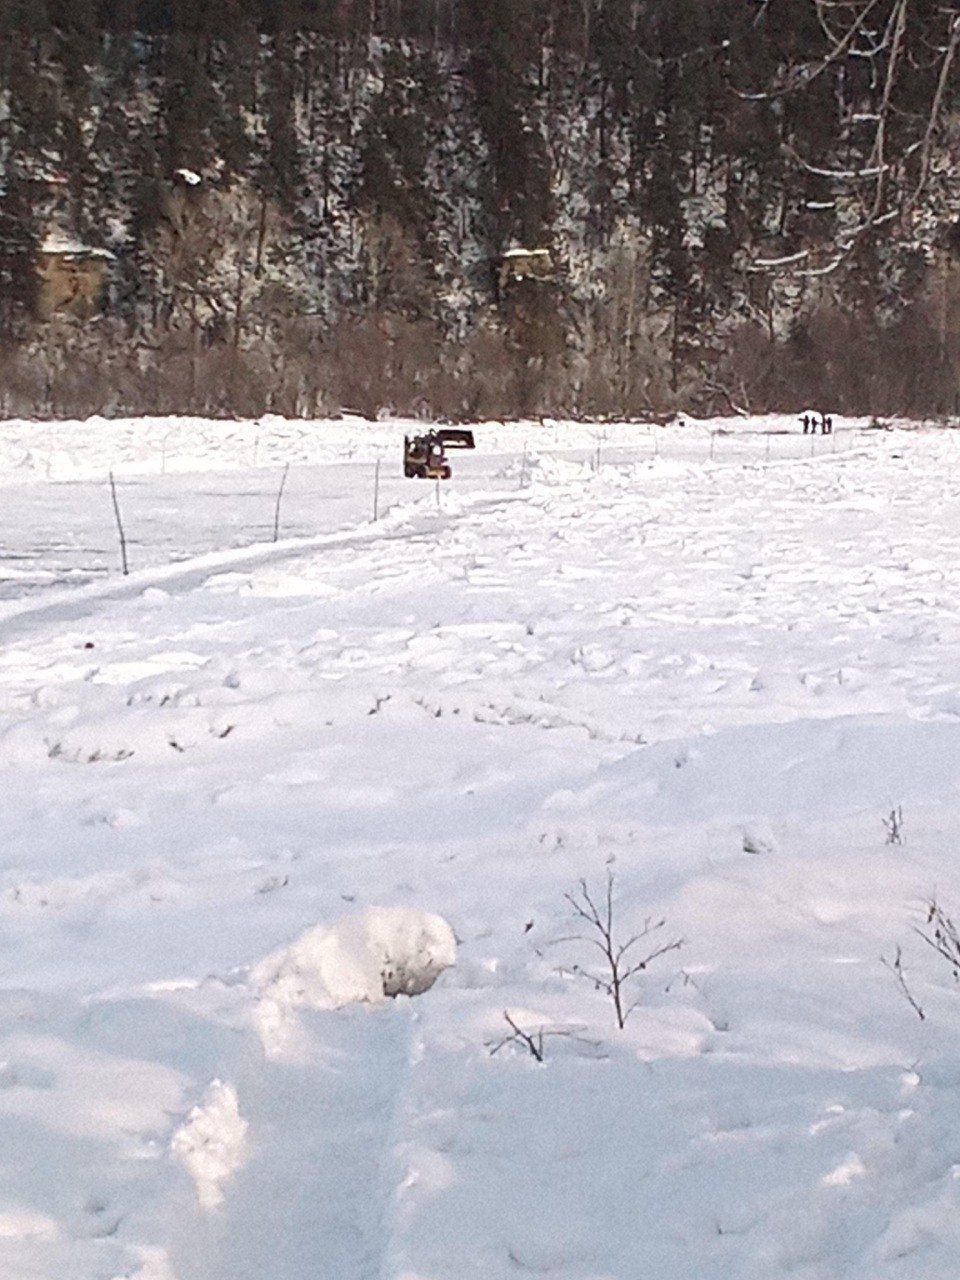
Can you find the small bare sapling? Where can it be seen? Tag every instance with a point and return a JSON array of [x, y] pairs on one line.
[[619, 962], [893, 824], [942, 935]]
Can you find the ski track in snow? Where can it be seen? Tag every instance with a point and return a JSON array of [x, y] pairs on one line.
[[721, 675]]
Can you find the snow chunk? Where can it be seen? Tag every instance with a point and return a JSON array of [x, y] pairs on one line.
[[210, 1143], [58, 243], [844, 1174], [155, 1266], [26, 1224], [384, 951]]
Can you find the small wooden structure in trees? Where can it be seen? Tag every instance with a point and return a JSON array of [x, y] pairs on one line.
[[526, 264], [72, 277]]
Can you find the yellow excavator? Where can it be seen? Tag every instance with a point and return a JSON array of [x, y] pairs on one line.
[[425, 457]]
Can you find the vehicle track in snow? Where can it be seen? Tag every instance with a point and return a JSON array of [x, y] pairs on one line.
[[311, 1198], [67, 606]]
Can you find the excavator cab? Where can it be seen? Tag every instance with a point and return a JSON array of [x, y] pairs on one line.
[[425, 458]]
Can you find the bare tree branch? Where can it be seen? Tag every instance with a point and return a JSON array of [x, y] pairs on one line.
[[797, 80], [896, 968], [533, 1041], [942, 935], [936, 108], [906, 69]]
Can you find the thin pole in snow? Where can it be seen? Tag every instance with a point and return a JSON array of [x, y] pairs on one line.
[[123, 537], [276, 513], [439, 504], [600, 439], [713, 436], [376, 489], [766, 456], [163, 452]]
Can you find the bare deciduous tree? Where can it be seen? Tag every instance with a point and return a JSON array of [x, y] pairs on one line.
[[941, 934], [893, 65], [620, 961]]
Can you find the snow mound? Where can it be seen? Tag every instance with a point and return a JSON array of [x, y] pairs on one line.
[[26, 1224], [155, 1266], [365, 957], [210, 1142], [551, 469]]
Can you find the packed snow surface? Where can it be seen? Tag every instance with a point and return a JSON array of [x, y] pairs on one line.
[[255, 789]]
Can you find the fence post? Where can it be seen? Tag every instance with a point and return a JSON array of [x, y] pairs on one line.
[[276, 513], [123, 537], [600, 439]]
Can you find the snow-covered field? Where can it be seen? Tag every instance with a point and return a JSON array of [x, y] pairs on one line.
[[188, 486], [240, 788]]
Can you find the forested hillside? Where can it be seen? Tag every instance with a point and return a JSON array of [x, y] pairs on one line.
[[305, 205]]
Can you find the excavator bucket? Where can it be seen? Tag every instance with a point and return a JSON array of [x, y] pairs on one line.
[[456, 438]]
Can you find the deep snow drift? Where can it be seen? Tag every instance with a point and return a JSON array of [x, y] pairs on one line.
[[250, 796]]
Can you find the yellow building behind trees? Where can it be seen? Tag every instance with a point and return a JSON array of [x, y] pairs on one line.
[[72, 278]]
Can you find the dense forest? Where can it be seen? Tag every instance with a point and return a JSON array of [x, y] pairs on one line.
[[473, 208]]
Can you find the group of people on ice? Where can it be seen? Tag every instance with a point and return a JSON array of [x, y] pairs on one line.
[[812, 420]]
